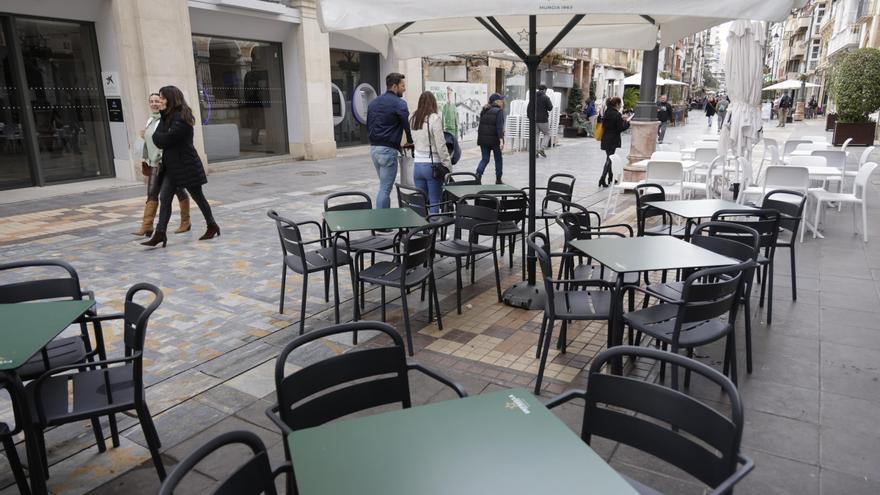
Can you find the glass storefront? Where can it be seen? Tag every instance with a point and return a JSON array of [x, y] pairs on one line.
[[53, 124], [241, 95], [355, 78]]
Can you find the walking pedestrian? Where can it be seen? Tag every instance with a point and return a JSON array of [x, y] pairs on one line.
[[387, 120], [181, 163], [592, 115], [432, 160], [784, 107], [811, 108], [150, 168], [540, 112], [490, 135], [710, 111], [614, 124], [721, 109], [664, 115]]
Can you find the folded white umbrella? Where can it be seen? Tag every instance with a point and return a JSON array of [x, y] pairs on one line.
[[790, 84], [744, 68]]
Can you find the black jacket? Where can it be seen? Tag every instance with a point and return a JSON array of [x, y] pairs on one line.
[[491, 128], [180, 161], [613, 124], [710, 109], [664, 111], [544, 107]]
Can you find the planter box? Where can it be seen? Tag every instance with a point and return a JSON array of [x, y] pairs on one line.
[[830, 120], [861, 134], [565, 121], [570, 132]]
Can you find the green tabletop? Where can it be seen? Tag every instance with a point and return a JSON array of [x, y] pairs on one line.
[[697, 208], [504, 442], [25, 328], [460, 191], [376, 219], [639, 254]]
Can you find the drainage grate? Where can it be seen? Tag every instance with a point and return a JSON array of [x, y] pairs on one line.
[[311, 173]]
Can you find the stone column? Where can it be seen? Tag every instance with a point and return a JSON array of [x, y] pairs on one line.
[[643, 128], [155, 47], [307, 85]]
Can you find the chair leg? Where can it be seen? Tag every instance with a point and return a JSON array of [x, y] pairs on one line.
[[816, 219], [382, 292], [512, 240], [770, 293], [152, 437], [458, 284], [44, 455], [283, 286], [662, 363], [327, 286], [409, 341], [497, 274], [864, 220], [541, 336], [687, 372], [546, 350], [302, 309], [563, 334], [523, 252], [114, 430], [99, 435], [432, 289], [16, 466], [473, 267], [763, 281], [793, 273], [732, 346]]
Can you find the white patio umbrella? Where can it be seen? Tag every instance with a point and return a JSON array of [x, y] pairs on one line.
[[744, 68], [423, 28], [789, 84], [636, 80]]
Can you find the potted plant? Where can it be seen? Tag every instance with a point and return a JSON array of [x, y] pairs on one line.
[[856, 94], [572, 123]]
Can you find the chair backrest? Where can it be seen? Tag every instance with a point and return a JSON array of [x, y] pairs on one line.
[[708, 294], [811, 146], [512, 206], [666, 423], [669, 172], [733, 240], [787, 177], [561, 186], [748, 175], [462, 179], [863, 159], [412, 198], [790, 204], [586, 219], [833, 158], [770, 142], [775, 159], [705, 155], [348, 200], [763, 221], [792, 145], [289, 234], [251, 478], [646, 193], [418, 248], [845, 144], [808, 161], [541, 246], [343, 384], [617, 164], [861, 180], [666, 155], [473, 211], [38, 288], [815, 139]]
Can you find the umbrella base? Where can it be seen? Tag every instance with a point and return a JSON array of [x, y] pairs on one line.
[[524, 295]]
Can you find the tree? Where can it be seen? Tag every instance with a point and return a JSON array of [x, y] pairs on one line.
[[630, 98], [854, 85], [709, 80], [575, 100]]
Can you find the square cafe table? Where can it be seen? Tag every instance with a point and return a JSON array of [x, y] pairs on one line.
[[25, 329], [503, 442], [461, 191], [695, 209], [375, 219], [644, 254]]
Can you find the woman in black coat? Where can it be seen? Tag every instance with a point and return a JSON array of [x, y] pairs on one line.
[[710, 110], [613, 124], [181, 165]]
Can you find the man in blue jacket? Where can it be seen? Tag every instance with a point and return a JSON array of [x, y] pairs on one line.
[[387, 119]]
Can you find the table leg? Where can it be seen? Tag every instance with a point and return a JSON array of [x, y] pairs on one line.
[[688, 225], [615, 326], [28, 426]]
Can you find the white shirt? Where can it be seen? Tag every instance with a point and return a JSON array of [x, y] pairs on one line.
[[431, 148]]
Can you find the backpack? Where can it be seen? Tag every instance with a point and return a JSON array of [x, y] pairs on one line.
[[722, 106]]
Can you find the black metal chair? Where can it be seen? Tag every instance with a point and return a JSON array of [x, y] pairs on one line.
[[646, 193], [478, 215], [676, 428], [695, 318], [512, 212], [566, 300], [254, 477], [327, 258], [462, 179], [115, 386], [767, 223], [7, 434], [791, 208], [412, 265], [560, 187], [358, 380]]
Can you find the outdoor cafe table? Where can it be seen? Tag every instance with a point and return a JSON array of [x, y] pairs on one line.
[[503, 442], [461, 191], [643, 254], [695, 209], [685, 164], [25, 330]]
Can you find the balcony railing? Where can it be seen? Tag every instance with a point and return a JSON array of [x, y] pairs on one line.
[[843, 40]]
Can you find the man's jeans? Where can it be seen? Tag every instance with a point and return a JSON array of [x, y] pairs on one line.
[[783, 116], [543, 128], [496, 151], [661, 131], [385, 161]]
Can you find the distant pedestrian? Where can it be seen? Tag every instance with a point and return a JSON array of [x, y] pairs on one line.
[[811, 108], [490, 135], [430, 149], [710, 111], [387, 120], [784, 107], [591, 115], [181, 163], [540, 112], [664, 115], [614, 124], [721, 109]]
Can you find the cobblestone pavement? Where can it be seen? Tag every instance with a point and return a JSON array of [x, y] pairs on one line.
[[211, 345]]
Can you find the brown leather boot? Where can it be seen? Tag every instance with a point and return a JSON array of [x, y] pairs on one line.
[[159, 237], [213, 231], [149, 215], [185, 224]]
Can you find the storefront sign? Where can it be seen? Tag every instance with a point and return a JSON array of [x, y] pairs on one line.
[[468, 99], [114, 110]]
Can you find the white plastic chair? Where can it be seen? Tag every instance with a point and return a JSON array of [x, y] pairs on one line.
[[666, 155], [778, 177], [811, 146], [865, 155], [669, 174], [857, 197], [792, 145], [618, 186], [816, 139], [706, 186]]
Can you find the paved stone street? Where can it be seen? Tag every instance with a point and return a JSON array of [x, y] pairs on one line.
[[811, 401]]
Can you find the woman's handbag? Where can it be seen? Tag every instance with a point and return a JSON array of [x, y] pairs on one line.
[[146, 170], [599, 130], [438, 170]]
